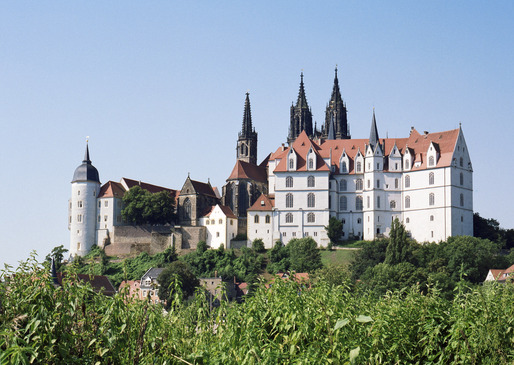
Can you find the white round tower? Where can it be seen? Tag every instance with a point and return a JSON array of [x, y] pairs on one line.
[[85, 187]]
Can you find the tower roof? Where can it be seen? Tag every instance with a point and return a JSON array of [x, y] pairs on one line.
[[336, 92], [373, 135], [86, 171], [247, 118], [302, 99]]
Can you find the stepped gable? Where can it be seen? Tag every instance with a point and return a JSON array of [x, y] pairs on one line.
[[246, 170], [302, 146], [263, 203], [111, 189]]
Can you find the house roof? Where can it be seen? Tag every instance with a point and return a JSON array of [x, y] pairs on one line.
[[203, 188], [152, 273], [246, 170], [263, 203], [100, 283], [150, 187], [301, 146], [226, 210], [111, 189]]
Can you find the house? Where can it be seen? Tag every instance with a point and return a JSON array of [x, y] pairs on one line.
[[260, 215], [499, 275], [221, 226]]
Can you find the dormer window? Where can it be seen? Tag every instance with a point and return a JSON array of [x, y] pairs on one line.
[[344, 167], [291, 164], [431, 161], [359, 167], [407, 164], [311, 163]]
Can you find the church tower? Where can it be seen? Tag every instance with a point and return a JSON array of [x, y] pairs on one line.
[[82, 207], [247, 141], [336, 115], [301, 116]]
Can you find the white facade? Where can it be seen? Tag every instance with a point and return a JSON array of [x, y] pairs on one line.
[[81, 216], [221, 226]]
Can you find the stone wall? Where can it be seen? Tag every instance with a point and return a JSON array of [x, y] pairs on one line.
[[190, 236]]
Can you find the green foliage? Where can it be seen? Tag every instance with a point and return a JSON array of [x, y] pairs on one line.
[[371, 253], [489, 228], [304, 255], [201, 247], [334, 230], [285, 324], [258, 245], [57, 253], [399, 247], [279, 258], [179, 273], [143, 207]]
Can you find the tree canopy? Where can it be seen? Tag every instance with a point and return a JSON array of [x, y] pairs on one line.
[[143, 207], [185, 280], [334, 230]]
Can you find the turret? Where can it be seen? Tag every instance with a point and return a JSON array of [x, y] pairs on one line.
[[83, 207]]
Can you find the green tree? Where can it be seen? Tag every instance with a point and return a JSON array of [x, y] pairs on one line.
[[187, 281], [279, 258], [57, 253], [258, 245], [371, 253], [334, 231], [399, 248], [304, 255], [143, 207]]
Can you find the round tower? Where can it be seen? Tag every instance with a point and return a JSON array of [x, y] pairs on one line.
[[85, 187]]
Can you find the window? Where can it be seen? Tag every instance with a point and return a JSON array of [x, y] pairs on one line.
[[220, 221], [289, 218], [344, 167], [396, 166], [407, 220], [358, 203], [187, 209], [231, 222], [359, 221], [431, 178], [79, 218], [359, 166], [70, 218], [407, 164], [461, 178], [106, 204], [217, 234], [369, 166], [461, 162], [462, 218], [315, 234], [78, 192], [407, 201], [105, 218], [461, 200], [78, 246], [268, 219], [358, 184], [291, 164], [293, 234], [311, 200], [392, 204], [396, 183], [79, 203], [311, 163], [369, 183], [99, 219], [212, 221], [378, 184], [310, 181], [256, 219], [378, 202], [431, 199], [431, 161], [311, 218], [99, 204], [343, 203], [431, 218], [343, 185], [289, 200], [207, 222], [367, 202], [289, 182], [407, 181], [378, 166]]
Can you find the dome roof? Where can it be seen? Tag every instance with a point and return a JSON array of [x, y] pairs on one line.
[[86, 171]]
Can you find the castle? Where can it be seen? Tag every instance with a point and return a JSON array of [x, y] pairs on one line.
[[425, 180]]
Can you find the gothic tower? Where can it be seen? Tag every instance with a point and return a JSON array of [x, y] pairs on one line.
[[82, 207], [301, 116], [247, 141], [336, 114]]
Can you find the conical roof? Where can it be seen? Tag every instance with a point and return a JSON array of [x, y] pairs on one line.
[[86, 171]]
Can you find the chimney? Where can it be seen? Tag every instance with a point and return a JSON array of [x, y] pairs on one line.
[[283, 147]]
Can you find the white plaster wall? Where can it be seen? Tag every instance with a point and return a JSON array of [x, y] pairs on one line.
[[262, 229], [83, 234], [219, 233]]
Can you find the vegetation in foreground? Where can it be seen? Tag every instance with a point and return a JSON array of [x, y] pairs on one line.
[[334, 321]]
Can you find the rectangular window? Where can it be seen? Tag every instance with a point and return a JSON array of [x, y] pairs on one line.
[[70, 218], [315, 234], [99, 204], [105, 218], [106, 204], [378, 202], [79, 218], [78, 192], [217, 234], [99, 219], [79, 203], [294, 234], [378, 184]]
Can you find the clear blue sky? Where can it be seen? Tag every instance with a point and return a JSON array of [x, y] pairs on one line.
[[159, 88]]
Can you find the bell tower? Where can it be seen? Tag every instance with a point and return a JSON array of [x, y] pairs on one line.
[[336, 115], [301, 116], [247, 140]]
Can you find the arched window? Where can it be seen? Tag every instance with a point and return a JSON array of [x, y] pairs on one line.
[[461, 178], [407, 181], [431, 178], [256, 219], [396, 183], [392, 204], [311, 163], [310, 181], [358, 203], [407, 201], [461, 162], [291, 164], [431, 218], [431, 199], [359, 166], [220, 221], [343, 203], [289, 218], [358, 184], [461, 200], [268, 219], [289, 200], [311, 218], [431, 161], [344, 167], [342, 185], [187, 209], [311, 200], [289, 182], [407, 220]]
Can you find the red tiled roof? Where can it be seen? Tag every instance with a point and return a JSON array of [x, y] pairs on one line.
[[263, 203], [496, 273], [151, 188], [245, 170], [111, 189], [301, 146]]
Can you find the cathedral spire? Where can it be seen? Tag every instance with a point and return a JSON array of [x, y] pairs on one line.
[[301, 116], [373, 135], [336, 113], [302, 99], [247, 141], [247, 118]]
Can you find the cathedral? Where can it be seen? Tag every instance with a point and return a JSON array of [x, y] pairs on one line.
[[424, 179]]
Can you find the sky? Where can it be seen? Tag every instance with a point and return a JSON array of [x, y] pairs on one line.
[[159, 88]]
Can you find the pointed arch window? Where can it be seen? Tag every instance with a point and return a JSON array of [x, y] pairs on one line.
[[311, 200], [344, 167], [289, 218], [359, 166], [310, 181], [358, 184], [311, 218], [461, 200], [378, 202], [392, 204], [431, 199], [268, 218], [407, 181], [311, 163], [289, 200], [431, 161], [343, 185], [461, 178], [461, 162], [343, 203], [291, 164], [431, 178], [289, 182], [358, 203], [407, 164], [187, 209], [256, 219], [407, 201]]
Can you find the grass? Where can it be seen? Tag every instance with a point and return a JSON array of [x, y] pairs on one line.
[[337, 257]]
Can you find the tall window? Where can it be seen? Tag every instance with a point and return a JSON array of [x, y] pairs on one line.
[[378, 184], [407, 181], [369, 183], [344, 167], [289, 218], [431, 161], [256, 219], [289, 182], [358, 184], [396, 183], [343, 203], [310, 181], [291, 164], [311, 200], [342, 185], [431, 178], [407, 164], [461, 162], [461, 178], [289, 200], [311, 218], [268, 218], [407, 201], [311, 163], [392, 204], [378, 202], [431, 199], [187, 209], [461, 200], [359, 166], [358, 203], [367, 202]]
